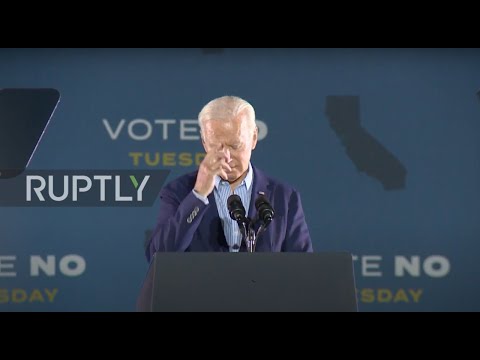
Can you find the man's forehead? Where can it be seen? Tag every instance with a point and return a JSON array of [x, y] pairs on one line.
[[225, 127], [214, 138], [229, 121]]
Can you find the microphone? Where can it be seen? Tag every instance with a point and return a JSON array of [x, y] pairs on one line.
[[237, 212], [235, 208], [264, 210]]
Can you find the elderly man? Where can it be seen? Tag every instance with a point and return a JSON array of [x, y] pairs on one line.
[[193, 211]]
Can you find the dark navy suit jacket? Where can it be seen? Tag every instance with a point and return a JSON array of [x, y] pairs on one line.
[[185, 223]]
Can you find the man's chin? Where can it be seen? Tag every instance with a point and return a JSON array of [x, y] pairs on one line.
[[234, 176]]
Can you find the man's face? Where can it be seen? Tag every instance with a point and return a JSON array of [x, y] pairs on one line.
[[235, 138]]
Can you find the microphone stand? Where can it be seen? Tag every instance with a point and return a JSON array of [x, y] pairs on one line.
[[249, 235], [251, 240]]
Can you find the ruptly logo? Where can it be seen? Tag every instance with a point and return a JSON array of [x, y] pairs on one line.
[[83, 188]]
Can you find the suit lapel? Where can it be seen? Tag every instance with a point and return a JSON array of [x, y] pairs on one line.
[[260, 184]]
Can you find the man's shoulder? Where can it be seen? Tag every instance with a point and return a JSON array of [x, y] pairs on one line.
[[183, 183], [274, 182]]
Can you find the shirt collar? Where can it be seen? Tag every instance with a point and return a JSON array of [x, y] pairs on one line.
[[247, 181]]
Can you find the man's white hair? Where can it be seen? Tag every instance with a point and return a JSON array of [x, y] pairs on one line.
[[226, 108]]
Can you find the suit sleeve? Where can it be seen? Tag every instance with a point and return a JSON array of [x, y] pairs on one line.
[[176, 224], [297, 235]]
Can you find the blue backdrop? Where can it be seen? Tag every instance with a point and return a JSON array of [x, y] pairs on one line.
[[383, 145]]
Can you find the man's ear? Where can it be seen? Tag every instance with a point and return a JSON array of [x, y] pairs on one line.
[[203, 141], [255, 137]]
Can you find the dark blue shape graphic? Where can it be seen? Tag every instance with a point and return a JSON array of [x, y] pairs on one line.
[[366, 152], [24, 116]]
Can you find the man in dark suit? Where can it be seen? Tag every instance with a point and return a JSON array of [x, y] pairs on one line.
[[193, 211]]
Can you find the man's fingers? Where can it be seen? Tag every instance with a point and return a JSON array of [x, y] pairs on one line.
[[218, 164], [222, 173], [215, 164], [225, 165], [222, 154]]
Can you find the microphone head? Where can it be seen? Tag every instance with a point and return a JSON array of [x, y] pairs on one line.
[[235, 208], [264, 209]]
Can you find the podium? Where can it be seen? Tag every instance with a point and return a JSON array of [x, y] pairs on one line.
[[213, 282]]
